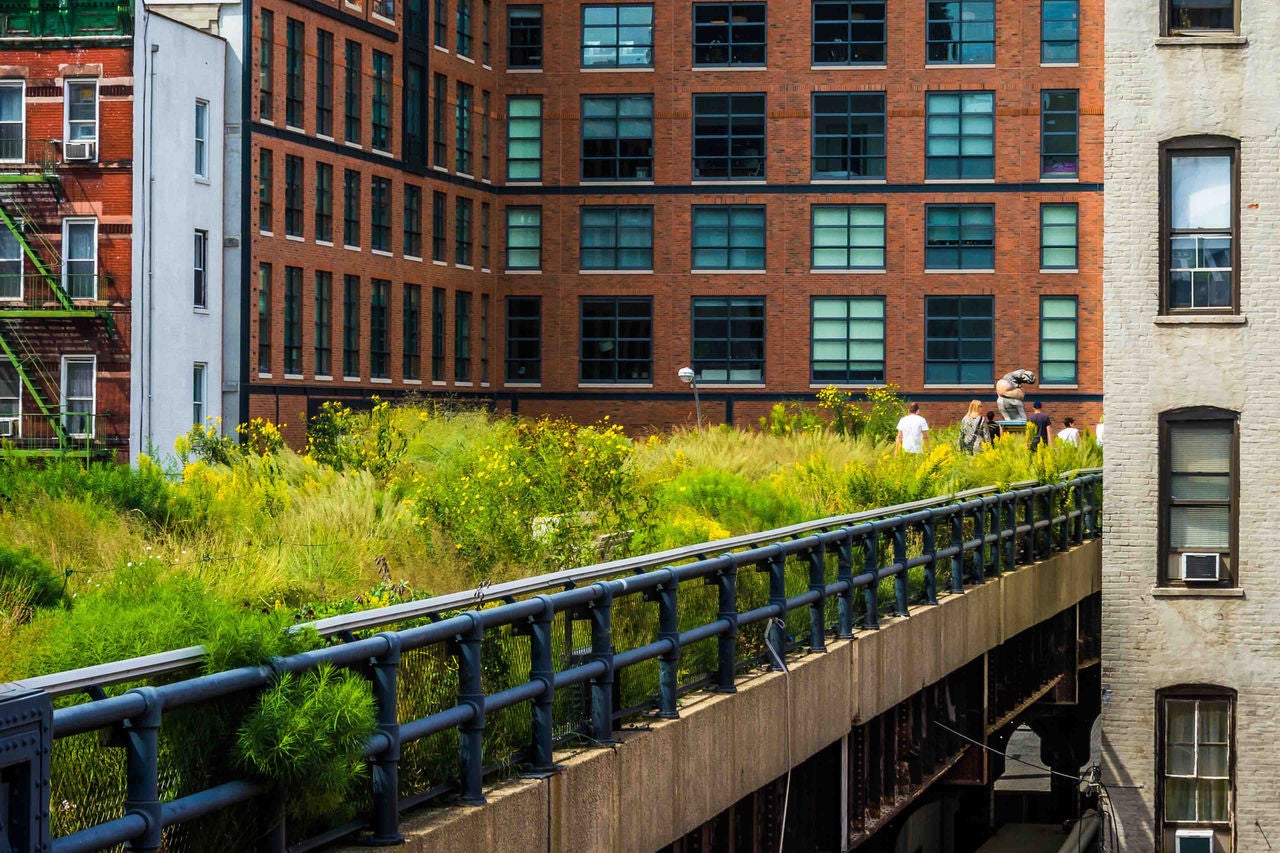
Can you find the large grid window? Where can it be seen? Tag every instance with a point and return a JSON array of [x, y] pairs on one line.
[[848, 136], [200, 271], [462, 336], [616, 334], [266, 64], [524, 36], [728, 136], [617, 36], [293, 196], [381, 112], [524, 238], [379, 320], [324, 323], [293, 73], [1200, 17], [1197, 744], [524, 339], [264, 319], [439, 206], [439, 103], [441, 24], [293, 321], [324, 83], [380, 214], [729, 33], [354, 93], [524, 138], [848, 340], [728, 338], [1059, 31], [351, 208], [849, 32], [961, 32], [848, 237], [324, 203], [959, 346], [617, 238], [462, 231], [266, 190], [960, 131], [960, 237], [414, 131], [484, 235], [412, 221], [411, 332], [1060, 133], [465, 39], [617, 138], [729, 237], [462, 129], [1199, 484], [351, 327], [1201, 223], [1059, 236], [1059, 340], [437, 334]]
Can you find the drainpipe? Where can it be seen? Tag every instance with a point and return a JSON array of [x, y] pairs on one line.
[[151, 243]]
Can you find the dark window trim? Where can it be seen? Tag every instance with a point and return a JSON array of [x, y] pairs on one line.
[[618, 158], [616, 301], [1044, 42], [1166, 28], [959, 41], [523, 208], [1185, 692], [959, 158], [508, 158], [847, 157], [729, 361], [848, 226], [1075, 370], [732, 43], [509, 360], [526, 50], [617, 47], [1045, 134], [960, 242], [728, 245], [730, 118], [1052, 204], [617, 247], [884, 338], [1202, 145], [848, 43], [958, 360]]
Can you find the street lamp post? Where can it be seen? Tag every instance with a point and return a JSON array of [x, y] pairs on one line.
[[688, 377]]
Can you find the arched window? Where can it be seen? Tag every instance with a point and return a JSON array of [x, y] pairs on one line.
[[1200, 225], [1199, 497], [1195, 772]]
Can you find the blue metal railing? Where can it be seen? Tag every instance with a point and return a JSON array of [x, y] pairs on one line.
[[985, 535]]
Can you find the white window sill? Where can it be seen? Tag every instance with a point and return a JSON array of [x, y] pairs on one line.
[[294, 128], [1202, 41], [512, 183], [1059, 64], [469, 177], [323, 378], [462, 384], [384, 20], [974, 181], [264, 375], [463, 266], [325, 137], [413, 258], [262, 233], [1052, 387], [522, 272], [351, 379], [381, 253], [1201, 320], [521, 384], [352, 248], [293, 376], [1193, 592], [439, 382], [440, 168], [1072, 271], [524, 70], [959, 272], [838, 271], [203, 179], [440, 263], [297, 238], [268, 121], [466, 59], [956, 65], [412, 381], [727, 272], [737, 182], [636, 70], [440, 48], [847, 67], [381, 380], [200, 309], [615, 272], [841, 385], [1064, 179], [351, 144], [328, 243], [617, 386]]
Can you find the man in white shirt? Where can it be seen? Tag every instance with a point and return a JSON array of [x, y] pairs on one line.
[[912, 432], [1069, 433]]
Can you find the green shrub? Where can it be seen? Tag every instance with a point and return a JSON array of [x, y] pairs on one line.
[[27, 580], [343, 439]]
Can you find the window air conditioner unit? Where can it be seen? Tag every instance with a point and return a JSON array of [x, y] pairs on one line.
[[1193, 841], [78, 150], [8, 427], [1201, 567]]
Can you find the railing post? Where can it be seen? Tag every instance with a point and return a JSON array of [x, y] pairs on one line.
[[142, 769], [980, 534], [602, 650], [727, 643], [471, 692], [930, 568], [844, 574], [1060, 495], [991, 526], [817, 610], [1077, 504], [1091, 519], [1033, 536], [386, 767], [871, 563], [1011, 527], [957, 541], [778, 600], [541, 669], [900, 576], [669, 663]]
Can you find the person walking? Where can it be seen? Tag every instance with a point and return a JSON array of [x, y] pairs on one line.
[[912, 432], [972, 428], [1097, 431], [1069, 433], [991, 429], [1043, 434]]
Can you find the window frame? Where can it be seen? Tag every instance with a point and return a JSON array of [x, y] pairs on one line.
[[462, 356], [512, 121], [463, 143], [617, 339], [64, 409], [322, 346], [961, 42], [266, 66], [353, 92], [200, 270], [525, 49], [380, 109], [535, 378], [67, 260], [959, 158], [438, 308], [1046, 42], [616, 211], [959, 361], [699, 365], [1045, 135], [730, 44], [439, 120], [463, 239], [439, 226], [1169, 31], [67, 85], [411, 332], [729, 246], [324, 83], [379, 214], [848, 301], [13, 268], [1045, 246], [265, 313], [848, 136], [617, 158], [294, 172], [1201, 692], [292, 317], [199, 394], [201, 137], [1197, 146], [379, 328], [464, 37], [266, 190], [294, 72], [849, 228], [959, 247], [411, 239], [1230, 578], [617, 27], [1075, 340], [535, 229], [351, 327], [848, 43], [729, 119], [324, 203], [21, 85], [351, 208]]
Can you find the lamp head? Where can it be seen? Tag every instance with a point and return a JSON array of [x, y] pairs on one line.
[[686, 374]]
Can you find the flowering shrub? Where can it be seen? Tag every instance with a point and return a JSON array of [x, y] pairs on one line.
[[343, 439], [261, 436]]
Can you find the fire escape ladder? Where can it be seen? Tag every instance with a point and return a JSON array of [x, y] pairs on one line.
[[18, 350], [14, 215]]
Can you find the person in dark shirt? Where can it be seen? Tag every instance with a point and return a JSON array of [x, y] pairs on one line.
[[1043, 434]]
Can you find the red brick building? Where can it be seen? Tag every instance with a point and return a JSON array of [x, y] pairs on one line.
[[554, 207]]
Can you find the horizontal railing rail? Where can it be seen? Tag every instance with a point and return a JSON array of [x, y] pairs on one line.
[[842, 565]]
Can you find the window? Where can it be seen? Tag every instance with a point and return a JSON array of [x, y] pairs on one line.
[[264, 319], [524, 36], [324, 323], [848, 136], [266, 66], [324, 83], [354, 93], [10, 398], [411, 334], [961, 32], [437, 334], [81, 98], [293, 196], [1059, 236], [1058, 340], [412, 221], [617, 36], [848, 237], [464, 28], [1200, 17], [524, 138], [959, 347], [961, 135], [415, 19], [959, 237], [1059, 31], [1199, 484], [1197, 746], [415, 114], [728, 338], [1060, 133], [11, 265], [381, 115], [524, 339], [438, 202], [202, 139], [728, 136], [293, 34], [197, 393], [80, 258], [379, 339], [292, 320], [486, 17], [324, 202], [617, 138], [351, 326], [484, 235], [462, 231], [617, 339], [79, 395], [462, 336], [351, 208], [849, 32], [728, 33], [13, 121], [200, 266], [524, 238], [484, 338], [442, 24], [1200, 218], [728, 237], [439, 144], [848, 340], [485, 104], [617, 238], [264, 190], [462, 129], [380, 210]]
